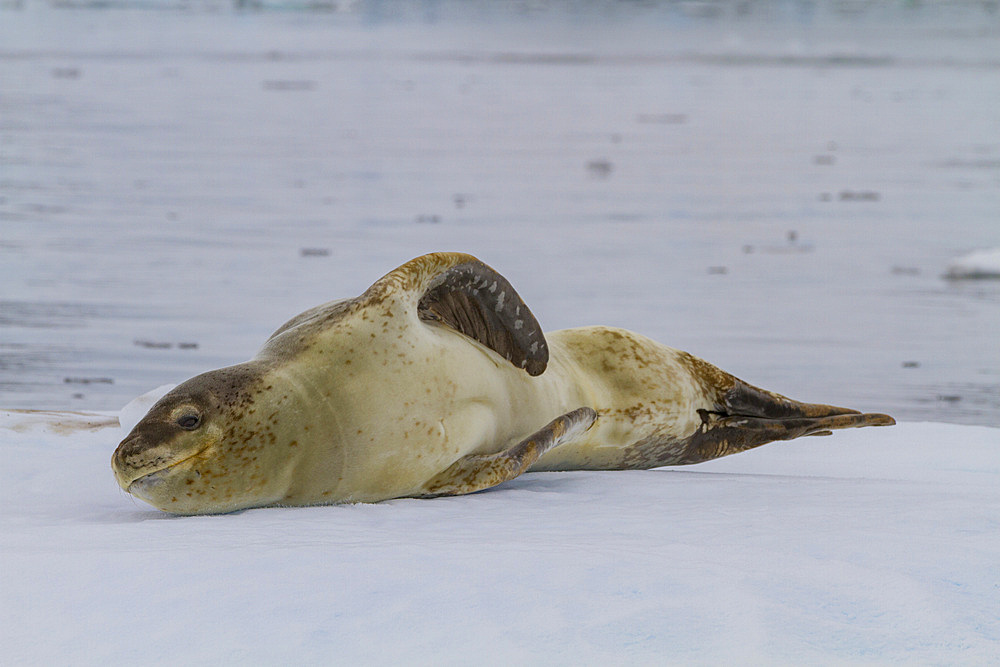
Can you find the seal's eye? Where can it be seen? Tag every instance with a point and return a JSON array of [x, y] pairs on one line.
[[189, 421]]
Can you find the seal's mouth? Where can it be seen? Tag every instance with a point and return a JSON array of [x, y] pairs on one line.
[[146, 479]]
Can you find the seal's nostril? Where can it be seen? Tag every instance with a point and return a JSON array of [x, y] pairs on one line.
[[128, 447]]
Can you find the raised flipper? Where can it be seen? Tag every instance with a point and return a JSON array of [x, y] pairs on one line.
[[478, 472], [748, 417], [460, 292]]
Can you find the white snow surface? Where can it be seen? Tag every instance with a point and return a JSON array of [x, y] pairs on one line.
[[871, 546]]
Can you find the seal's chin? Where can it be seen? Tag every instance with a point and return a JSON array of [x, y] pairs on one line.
[[173, 488], [145, 487]]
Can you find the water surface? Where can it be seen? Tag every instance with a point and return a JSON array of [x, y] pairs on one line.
[[776, 187]]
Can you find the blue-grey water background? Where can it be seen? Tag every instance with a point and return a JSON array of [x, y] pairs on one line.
[[777, 187]]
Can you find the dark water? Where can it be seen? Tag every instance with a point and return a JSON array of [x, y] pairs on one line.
[[777, 187]]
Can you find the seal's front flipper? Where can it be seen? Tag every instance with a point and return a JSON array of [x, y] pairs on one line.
[[478, 472], [460, 292]]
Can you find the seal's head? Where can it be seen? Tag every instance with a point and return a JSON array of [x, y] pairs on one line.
[[199, 448]]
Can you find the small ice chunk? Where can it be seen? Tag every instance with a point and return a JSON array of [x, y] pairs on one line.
[[978, 264], [137, 408]]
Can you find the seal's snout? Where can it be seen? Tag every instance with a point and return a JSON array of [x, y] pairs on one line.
[[127, 459], [128, 447], [139, 455]]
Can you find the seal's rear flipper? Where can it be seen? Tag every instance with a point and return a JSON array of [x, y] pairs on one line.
[[478, 472], [749, 417]]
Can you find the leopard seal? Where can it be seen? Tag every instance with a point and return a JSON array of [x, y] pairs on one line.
[[438, 380]]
